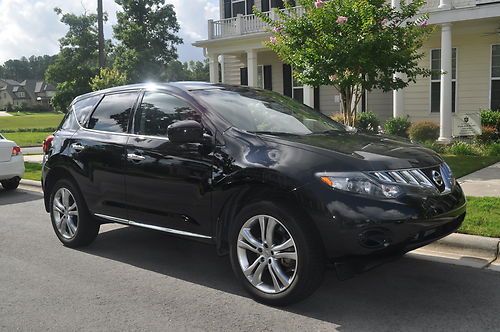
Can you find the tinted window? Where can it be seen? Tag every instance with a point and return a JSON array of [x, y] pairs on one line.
[[159, 110], [83, 108], [266, 111], [69, 122], [113, 112]]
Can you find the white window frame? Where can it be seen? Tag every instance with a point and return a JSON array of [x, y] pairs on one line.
[[491, 74], [296, 87], [21, 94], [260, 76], [453, 80]]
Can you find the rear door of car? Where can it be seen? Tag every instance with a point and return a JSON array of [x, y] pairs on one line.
[[168, 184], [99, 149]]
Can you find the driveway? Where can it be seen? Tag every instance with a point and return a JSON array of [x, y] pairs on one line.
[[3, 113], [134, 279]]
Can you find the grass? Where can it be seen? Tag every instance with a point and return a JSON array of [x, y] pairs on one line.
[[483, 217], [27, 138], [33, 171], [41, 120], [463, 165]]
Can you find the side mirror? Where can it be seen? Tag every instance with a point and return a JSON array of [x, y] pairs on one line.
[[186, 131]]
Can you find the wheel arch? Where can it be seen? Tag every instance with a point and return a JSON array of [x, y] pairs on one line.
[[244, 194], [53, 175]]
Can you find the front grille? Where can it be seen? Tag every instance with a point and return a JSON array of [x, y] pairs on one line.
[[437, 177]]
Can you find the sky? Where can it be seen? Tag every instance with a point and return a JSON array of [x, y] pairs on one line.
[[31, 27]]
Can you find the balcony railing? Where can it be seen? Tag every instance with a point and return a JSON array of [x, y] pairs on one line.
[[248, 24], [242, 24]]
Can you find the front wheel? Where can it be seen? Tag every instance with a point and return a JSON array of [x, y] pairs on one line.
[[11, 184], [275, 254], [71, 220]]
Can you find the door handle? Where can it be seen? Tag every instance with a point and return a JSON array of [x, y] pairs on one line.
[[135, 157], [77, 147]]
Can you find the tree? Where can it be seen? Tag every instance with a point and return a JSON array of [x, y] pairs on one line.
[[147, 32], [353, 45], [187, 71], [108, 78], [24, 69], [77, 62]]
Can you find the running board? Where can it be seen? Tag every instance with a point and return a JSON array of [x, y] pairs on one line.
[[153, 227]]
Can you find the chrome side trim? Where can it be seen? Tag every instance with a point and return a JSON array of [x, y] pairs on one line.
[[156, 228]]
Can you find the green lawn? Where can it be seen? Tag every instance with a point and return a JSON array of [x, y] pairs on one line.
[[42, 120], [27, 138], [463, 165], [483, 217], [33, 171]]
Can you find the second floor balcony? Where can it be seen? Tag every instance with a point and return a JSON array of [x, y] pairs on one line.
[[250, 24]]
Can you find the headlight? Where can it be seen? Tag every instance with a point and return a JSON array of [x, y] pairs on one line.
[[359, 183]]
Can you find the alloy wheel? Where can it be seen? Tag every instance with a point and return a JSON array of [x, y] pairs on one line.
[[65, 213], [267, 254]]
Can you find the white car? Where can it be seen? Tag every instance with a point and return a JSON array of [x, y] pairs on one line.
[[11, 164]]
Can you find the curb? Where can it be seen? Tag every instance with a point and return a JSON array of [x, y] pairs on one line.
[[31, 183], [462, 249]]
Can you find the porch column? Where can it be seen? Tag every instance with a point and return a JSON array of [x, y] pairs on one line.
[[446, 86], [213, 63], [252, 68], [308, 95], [444, 4], [398, 97]]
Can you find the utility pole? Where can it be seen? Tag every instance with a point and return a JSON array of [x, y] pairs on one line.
[[100, 26]]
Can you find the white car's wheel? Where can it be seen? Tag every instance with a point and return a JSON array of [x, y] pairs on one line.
[[11, 184]]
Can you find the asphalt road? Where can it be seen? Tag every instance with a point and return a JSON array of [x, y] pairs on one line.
[[133, 279]]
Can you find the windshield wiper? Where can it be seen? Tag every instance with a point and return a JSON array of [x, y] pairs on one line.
[[275, 133], [326, 132]]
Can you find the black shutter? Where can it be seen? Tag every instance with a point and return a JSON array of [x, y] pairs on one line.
[[227, 8], [316, 99], [244, 76], [287, 80], [265, 5], [250, 4], [268, 77]]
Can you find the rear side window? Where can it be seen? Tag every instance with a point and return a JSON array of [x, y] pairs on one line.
[[113, 112], [83, 108], [69, 122], [159, 110]]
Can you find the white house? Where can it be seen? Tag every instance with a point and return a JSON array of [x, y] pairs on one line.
[[466, 46]]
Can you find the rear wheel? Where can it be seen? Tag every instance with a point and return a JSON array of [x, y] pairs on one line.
[[11, 184], [71, 220], [275, 256]]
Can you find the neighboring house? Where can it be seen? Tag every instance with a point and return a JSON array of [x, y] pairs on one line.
[[466, 46], [26, 93]]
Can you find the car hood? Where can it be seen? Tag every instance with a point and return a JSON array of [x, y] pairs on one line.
[[366, 152]]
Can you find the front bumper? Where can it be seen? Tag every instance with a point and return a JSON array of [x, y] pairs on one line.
[[360, 227], [13, 168]]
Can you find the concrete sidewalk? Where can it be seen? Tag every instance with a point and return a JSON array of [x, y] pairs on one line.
[[485, 182]]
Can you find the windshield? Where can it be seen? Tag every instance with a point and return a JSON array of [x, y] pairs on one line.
[[262, 111]]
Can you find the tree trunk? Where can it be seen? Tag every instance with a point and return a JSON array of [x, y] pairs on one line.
[[349, 100]]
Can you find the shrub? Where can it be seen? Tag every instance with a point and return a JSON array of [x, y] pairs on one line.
[[490, 118], [367, 122], [489, 135], [398, 126], [339, 117], [424, 131], [30, 109], [464, 149], [493, 149], [433, 145]]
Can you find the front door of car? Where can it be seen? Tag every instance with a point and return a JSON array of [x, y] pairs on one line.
[[168, 183], [99, 151]]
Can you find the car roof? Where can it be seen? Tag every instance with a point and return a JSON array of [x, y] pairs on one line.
[[173, 86]]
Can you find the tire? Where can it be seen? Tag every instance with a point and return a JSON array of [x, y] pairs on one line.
[[72, 230], [303, 275], [11, 184]]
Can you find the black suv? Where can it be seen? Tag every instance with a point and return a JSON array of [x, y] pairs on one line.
[[280, 187]]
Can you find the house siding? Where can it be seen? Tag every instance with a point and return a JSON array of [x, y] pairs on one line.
[[473, 42]]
